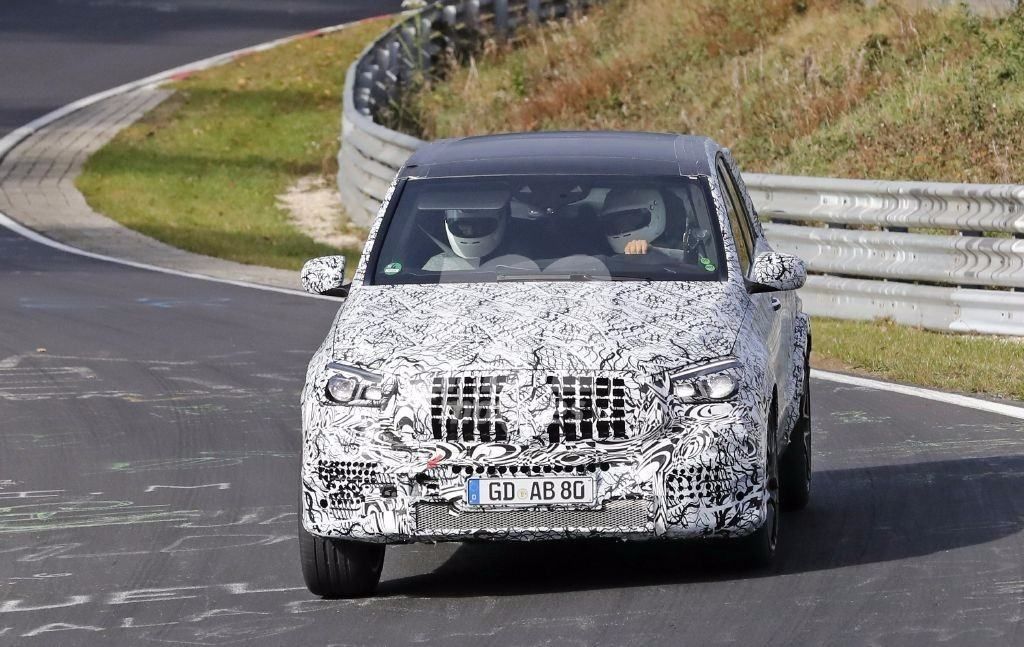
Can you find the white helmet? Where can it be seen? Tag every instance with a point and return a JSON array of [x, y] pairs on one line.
[[475, 233], [632, 214]]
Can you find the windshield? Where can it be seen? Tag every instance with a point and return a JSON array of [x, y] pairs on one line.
[[556, 228]]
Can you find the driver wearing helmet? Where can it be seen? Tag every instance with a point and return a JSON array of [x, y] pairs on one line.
[[633, 219], [473, 235]]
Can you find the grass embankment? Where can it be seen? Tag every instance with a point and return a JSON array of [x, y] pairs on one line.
[[202, 170], [816, 87], [825, 87]]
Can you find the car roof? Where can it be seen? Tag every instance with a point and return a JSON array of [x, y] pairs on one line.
[[612, 153]]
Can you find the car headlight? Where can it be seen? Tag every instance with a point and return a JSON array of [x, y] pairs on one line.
[[351, 385], [712, 382]]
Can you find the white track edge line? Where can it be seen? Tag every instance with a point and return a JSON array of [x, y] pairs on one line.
[[968, 402], [15, 137], [34, 236]]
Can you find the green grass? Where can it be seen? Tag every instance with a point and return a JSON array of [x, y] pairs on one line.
[[201, 172], [965, 363]]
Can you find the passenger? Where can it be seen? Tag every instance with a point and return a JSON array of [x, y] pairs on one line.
[[635, 221]]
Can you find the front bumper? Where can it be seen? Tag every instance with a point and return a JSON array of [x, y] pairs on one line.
[[700, 477]]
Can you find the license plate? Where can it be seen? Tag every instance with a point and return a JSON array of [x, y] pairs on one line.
[[529, 491]]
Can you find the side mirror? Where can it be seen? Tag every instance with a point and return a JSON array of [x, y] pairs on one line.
[[776, 272], [325, 275]]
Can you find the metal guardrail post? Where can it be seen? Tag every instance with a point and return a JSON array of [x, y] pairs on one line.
[[501, 23], [450, 15], [472, 11], [533, 11]]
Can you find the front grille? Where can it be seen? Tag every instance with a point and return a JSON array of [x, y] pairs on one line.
[[587, 408], [488, 408], [621, 515], [466, 408]]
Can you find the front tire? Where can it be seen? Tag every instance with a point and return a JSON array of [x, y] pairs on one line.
[[336, 568], [795, 466]]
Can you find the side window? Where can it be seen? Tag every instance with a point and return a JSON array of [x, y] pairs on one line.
[[737, 221], [747, 216]]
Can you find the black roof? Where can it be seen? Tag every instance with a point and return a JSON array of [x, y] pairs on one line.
[[613, 153]]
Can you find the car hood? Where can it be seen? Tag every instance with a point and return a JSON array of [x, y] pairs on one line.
[[572, 326]]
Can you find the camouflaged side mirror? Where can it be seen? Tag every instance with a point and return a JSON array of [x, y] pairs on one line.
[[325, 275], [776, 272]]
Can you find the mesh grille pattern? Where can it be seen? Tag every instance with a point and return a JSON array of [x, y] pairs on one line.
[[587, 408], [466, 408], [618, 515]]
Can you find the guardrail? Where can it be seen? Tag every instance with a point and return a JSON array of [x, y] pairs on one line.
[[371, 154], [941, 256]]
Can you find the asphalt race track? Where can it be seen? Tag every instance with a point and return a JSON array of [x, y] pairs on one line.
[[149, 457]]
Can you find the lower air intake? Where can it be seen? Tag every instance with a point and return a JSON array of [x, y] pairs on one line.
[[630, 514]]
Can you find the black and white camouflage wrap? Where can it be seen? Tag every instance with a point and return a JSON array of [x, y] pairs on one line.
[[686, 470], [783, 272], [323, 274]]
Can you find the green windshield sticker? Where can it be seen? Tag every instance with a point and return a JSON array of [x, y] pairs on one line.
[[709, 267], [704, 260], [393, 268]]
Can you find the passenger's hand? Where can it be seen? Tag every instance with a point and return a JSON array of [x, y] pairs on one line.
[[636, 247]]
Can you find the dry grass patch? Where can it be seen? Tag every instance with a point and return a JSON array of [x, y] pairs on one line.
[[826, 87]]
